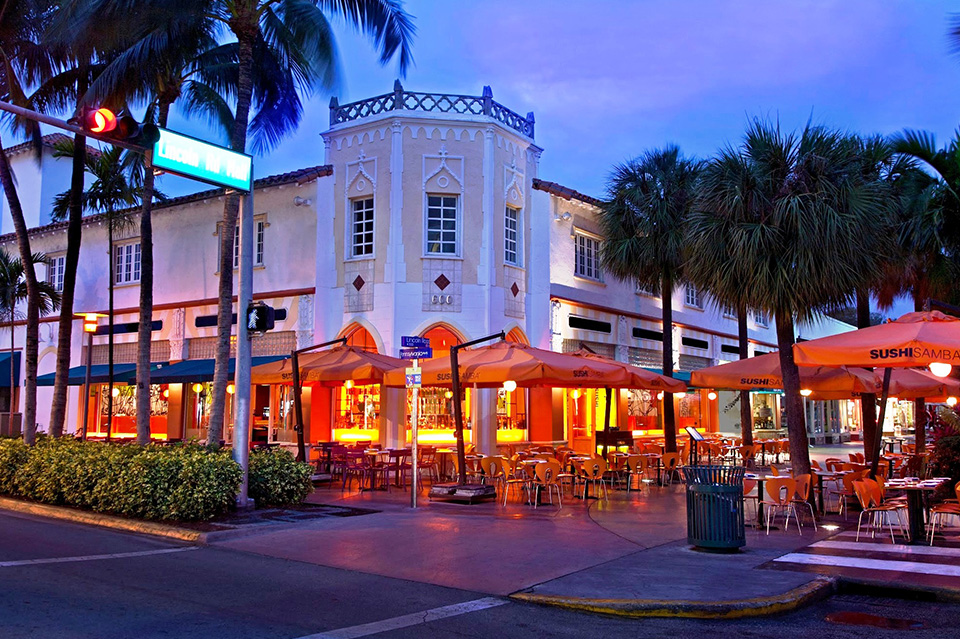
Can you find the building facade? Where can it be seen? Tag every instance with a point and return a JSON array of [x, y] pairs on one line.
[[424, 214]]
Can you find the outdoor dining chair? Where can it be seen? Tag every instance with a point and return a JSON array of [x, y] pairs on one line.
[[801, 497], [871, 505], [780, 492], [670, 462], [949, 508], [547, 478], [492, 468], [591, 472]]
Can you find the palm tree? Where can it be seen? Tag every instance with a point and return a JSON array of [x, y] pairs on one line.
[[113, 194], [283, 48], [13, 291], [644, 225], [24, 62], [781, 226], [927, 227]]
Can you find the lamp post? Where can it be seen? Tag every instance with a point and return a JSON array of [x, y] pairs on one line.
[[90, 323]]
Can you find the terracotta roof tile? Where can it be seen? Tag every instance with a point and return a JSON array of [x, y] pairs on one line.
[[565, 192]]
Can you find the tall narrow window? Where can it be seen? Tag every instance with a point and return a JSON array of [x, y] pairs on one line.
[[729, 310], [259, 225], [361, 229], [126, 263], [512, 247], [693, 297], [761, 318], [586, 256], [442, 233], [55, 272]]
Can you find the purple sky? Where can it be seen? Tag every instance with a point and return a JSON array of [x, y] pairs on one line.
[[608, 79]]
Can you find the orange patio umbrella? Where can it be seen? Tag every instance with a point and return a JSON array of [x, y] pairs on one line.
[[763, 371], [491, 366], [906, 383], [331, 367], [928, 338]]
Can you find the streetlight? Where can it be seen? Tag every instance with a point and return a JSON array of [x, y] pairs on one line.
[[90, 322]]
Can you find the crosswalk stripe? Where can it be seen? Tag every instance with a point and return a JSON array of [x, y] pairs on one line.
[[405, 621], [891, 548], [66, 560], [840, 561]]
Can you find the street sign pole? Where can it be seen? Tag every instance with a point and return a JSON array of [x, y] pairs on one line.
[[414, 427], [241, 420]]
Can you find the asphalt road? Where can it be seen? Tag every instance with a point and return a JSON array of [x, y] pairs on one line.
[[69, 581]]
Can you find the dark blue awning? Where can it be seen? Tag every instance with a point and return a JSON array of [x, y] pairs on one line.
[[198, 370], [99, 374], [5, 369]]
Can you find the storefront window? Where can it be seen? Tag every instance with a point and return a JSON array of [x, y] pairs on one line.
[[124, 422], [357, 413], [436, 421], [642, 411]]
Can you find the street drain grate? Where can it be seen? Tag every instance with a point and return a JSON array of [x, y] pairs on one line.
[[850, 618]]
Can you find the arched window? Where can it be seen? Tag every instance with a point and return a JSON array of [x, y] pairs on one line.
[[517, 337], [441, 339], [361, 338]]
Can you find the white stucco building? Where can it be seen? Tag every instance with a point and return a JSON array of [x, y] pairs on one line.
[[420, 214]]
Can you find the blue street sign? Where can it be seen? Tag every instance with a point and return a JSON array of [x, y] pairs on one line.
[[408, 341], [416, 353]]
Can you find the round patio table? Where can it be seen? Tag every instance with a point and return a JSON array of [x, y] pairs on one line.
[[915, 490]]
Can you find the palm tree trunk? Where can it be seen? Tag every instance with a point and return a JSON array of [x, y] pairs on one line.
[[110, 322], [58, 409], [12, 370], [868, 401], [746, 413], [231, 207], [669, 418], [32, 340], [145, 326], [796, 424]]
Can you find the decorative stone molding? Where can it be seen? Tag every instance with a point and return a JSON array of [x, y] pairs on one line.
[[361, 177], [442, 285], [514, 292], [304, 321], [514, 193], [178, 345], [358, 286], [443, 173]]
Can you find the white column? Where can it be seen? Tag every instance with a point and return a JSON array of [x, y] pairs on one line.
[[393, 417], [486, 271], [485, 420]]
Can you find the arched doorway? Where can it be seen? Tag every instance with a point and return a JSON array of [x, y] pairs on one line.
[[360, 337], [442, 337], [517, 337]]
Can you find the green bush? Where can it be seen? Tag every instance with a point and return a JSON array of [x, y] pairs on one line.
[[13, 455], [277, 479], [945, 462], [151, 482]]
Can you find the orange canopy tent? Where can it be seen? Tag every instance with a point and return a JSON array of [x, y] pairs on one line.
[[928, 338], [907, 383], [916, 339], [491, 366], [331, 367], [763, 371]]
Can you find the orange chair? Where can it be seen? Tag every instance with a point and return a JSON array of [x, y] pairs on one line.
[[872, 504], [547, 478], [802, 496], [780, 492], [949, 508], [591, 472], [670, 462]]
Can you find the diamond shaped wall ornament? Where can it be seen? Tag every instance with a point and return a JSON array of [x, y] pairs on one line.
[[442, 282], [358, 283], [515, 289]]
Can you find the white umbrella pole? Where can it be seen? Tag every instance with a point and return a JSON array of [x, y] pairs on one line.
[[878, 438]]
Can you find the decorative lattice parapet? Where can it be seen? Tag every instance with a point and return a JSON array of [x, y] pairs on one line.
[[401, 100]]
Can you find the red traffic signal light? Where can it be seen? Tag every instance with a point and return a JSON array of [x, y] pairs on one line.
[[99, 120]]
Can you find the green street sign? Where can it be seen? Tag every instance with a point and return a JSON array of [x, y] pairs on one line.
[[198, 160]]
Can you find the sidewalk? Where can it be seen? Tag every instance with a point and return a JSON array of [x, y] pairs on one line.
[[595, 554]]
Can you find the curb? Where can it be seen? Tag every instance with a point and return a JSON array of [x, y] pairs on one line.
[[106, 521], [789, 601]]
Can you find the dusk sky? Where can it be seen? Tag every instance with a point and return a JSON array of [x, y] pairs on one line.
[[607, 80]]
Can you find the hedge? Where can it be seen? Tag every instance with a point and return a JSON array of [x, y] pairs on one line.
[[276, 479], [944, 462], [183, 482]]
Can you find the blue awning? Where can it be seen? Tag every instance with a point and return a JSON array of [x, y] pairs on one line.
[[683, 376], [198, 370], [99, 374], [5, 369]]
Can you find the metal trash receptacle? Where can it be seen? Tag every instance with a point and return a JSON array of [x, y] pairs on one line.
[[715, 507]]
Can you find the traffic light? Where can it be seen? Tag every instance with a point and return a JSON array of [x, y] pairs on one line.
[[106, 125], [260, 318]]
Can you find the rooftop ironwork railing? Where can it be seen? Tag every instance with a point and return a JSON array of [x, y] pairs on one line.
[[401, 100]]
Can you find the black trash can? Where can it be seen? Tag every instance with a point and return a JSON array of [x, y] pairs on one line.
[[715, 507]]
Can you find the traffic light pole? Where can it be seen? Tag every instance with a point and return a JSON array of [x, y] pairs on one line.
[[242, 410], [66, 126]]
